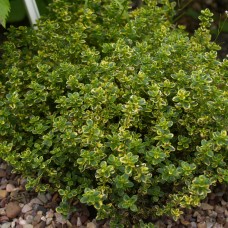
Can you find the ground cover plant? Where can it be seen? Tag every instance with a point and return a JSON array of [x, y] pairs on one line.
[[117, 108]]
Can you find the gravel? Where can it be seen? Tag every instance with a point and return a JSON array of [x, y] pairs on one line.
[[25, 209]]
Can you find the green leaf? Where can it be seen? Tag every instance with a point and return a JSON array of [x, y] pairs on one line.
[[4, 11]]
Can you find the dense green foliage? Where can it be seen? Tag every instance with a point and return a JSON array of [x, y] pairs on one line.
[[117, 108]]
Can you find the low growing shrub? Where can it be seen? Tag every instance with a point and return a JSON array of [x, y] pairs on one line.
[[117, 108]]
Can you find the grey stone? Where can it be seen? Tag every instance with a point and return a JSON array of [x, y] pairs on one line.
[[219, 210], [48, 221], [42, 198], [50, 214], [38, 207], [36, 201], [29, 219], [216, 225], [196, 214], [59, 218], [48, 196], [6, 225], [193, 225], [206, 206], [209, 224], [3, 166], [36, 219], [212, 214], [26, 208]]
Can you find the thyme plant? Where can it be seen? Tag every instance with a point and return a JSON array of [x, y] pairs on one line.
[[120, 109]]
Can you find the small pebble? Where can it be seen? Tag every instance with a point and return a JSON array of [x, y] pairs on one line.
[[4, 218], [3, 186], [38, 207], [219, 210], [221, 219], [50, 214], [226, 213], [48, 221], [42, 198], [3, 194], [14, 222], [216, 225], [42, 224], [6, 225], [26, 208], [223, 202], [29, 219], [79, 223], [68, 224], [48, 196], [206, 206], [2, 173], [49, 226], [36, 219], [40, 213], [10, 187], [185, 222], [59, 218], [36, 201], [193, 225], [196, 214], [43, 218], [212, 214], [91, 225], [13, 210], [28, 226], [202, 225], [3, 166], [22, 222], [2, 211], [209, 224]]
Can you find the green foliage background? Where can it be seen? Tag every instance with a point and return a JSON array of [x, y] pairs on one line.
[[117, 108]]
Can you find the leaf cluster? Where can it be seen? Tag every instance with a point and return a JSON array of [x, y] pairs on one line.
[[4, 11]]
